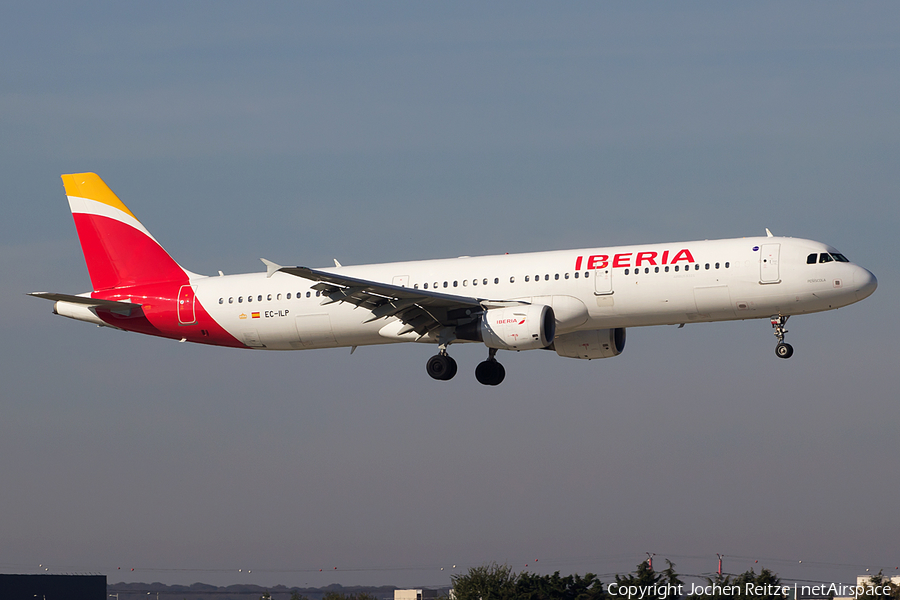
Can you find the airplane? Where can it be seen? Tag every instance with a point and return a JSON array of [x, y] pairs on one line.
[[577, 303]]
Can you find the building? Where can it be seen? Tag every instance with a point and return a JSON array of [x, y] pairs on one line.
[[420, 594]]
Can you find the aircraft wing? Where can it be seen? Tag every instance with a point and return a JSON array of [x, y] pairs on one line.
[[422, 311]]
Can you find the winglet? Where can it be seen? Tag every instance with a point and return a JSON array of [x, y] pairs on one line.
[[271, 268], [769, 233], [337, 264]]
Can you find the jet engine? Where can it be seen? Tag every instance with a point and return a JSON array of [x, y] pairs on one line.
[[513, 328], [595, 343]]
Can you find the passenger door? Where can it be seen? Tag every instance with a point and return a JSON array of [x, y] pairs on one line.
[[768, 263], [603, 282], [186, 298]]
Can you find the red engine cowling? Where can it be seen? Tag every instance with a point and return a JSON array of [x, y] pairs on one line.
[[595, 343], [525, 327]]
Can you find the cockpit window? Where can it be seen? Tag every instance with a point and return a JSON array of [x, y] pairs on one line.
[[825, 257]]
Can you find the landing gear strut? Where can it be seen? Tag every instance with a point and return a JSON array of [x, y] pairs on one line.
[[490, 372], [782, 349], [441, 366]]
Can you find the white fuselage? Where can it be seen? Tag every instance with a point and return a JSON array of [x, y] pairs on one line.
[[589, 289]]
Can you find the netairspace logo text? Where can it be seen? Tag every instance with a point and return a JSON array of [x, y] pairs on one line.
[[640, 592]]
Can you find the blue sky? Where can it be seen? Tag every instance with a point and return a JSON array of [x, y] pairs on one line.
[[302, 132]]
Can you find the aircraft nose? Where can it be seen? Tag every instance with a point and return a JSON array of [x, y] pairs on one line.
[[864, 282]]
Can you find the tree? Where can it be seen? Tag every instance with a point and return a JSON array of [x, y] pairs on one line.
[[645, 578], [765, 586], [295, 595], [529, 586], [498, 582], [487, 582]]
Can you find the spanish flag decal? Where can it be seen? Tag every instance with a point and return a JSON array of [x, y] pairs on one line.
[[255, 315]]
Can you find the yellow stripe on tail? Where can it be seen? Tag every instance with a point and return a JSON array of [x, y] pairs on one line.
[[90, 186]]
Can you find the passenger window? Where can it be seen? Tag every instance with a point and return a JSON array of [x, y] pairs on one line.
[[667, 268], [474, 282], [249, 298], [726, 264], [221, 300], [259, 298], [455, 284], [697, 267], [465, 282], [576, 274], [445, 284], [656, 269], [269, 297], [288, 295], [425, 285], [307, 294], [240, 299], [527, 279], [717, 265], [496, 280], [547, 277], [566, 275], [279, 297], [415, 286], [811, 259], [556, 277], [707, 266], [646, 270], [231, 300], [676, 268], [512, 279], [435, 285], [626, 271], [484, 281], [825, 257], [318, 293]]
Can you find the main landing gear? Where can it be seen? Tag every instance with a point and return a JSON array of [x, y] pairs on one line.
[[782, 349], [490, 372], [442, 367]]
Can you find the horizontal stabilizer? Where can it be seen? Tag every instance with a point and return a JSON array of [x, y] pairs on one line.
[[86, 301]]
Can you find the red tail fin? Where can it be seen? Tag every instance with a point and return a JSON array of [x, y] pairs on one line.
[[118, 250]]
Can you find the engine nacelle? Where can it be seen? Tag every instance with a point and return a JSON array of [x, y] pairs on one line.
[[595, 343], [514, 328]]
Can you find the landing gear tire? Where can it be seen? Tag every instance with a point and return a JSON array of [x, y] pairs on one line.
[[441, 367], [490, 372], [784, 350]]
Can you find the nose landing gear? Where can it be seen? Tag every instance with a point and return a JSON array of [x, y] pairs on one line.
[[490, 372], [782, 349]]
